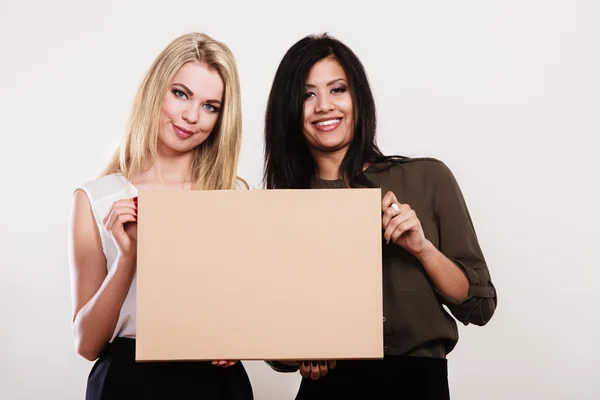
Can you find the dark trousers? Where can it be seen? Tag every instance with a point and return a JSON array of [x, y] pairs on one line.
[[395, 377], [116, 375]]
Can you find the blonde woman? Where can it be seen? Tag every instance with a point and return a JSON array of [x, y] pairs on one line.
[[184, 133]]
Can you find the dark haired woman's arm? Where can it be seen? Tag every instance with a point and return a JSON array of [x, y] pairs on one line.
[[458, 242], [402, 227], [458, 269]]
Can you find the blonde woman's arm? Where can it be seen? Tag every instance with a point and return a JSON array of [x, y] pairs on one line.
[[97, 296]]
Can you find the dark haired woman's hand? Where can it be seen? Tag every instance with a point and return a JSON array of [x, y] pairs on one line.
[[401, 225], [223, 363], [315, 369], [121, 222]]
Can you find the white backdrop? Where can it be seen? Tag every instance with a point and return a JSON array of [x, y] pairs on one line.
[[507, 93]]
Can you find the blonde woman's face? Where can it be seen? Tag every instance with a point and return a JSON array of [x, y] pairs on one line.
[[190, 108]]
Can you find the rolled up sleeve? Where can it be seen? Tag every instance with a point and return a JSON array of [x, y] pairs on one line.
[[458, 241]]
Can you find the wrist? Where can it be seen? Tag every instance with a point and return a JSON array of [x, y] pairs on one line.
[[124, 261], [427, 251]]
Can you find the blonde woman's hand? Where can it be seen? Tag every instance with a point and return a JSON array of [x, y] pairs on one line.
[[401, 225], [121, 222], [224, 364], [315, 369]]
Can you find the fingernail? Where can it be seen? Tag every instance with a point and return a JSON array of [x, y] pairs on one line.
[[305, 363], [135, 201], [314, 363], [322, 362]]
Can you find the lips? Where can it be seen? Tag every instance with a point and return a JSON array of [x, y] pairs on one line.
[[182, 132], [327, 125]]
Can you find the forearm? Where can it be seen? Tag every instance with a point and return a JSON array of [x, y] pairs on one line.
[[96, 320], [446, 275]]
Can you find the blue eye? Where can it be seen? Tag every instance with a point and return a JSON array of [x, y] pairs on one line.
[[211, 108], [179, 94]]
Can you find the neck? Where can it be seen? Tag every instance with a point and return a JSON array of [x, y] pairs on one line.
[[169, 168], [328, 164]]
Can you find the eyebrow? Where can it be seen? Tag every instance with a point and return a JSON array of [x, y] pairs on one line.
[[308, 85], [190, 93]]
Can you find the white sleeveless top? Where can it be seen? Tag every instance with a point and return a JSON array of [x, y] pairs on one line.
[[102, 193]]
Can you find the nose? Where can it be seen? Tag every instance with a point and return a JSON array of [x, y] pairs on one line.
[[191, 114], [324, 104]]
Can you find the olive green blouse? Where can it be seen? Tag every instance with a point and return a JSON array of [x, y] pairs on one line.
[[415, 322]]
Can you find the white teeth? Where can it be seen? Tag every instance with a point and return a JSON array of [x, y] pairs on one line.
[[330, 122]]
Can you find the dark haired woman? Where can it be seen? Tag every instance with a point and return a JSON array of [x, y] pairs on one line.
[[320, 133]]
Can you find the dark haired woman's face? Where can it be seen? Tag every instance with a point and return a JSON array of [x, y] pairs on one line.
[[328, 113]]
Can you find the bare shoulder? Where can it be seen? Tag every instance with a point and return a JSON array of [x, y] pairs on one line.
[[87, 263], [84, 233]]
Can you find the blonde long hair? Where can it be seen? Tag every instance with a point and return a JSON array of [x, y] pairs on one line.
[[216, 160]]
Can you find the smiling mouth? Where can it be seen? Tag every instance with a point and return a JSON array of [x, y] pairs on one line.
[[182, 133], [183, 130], [327, 122]]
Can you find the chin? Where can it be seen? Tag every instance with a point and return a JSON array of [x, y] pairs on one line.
[[331, 147], [175, 146], [333, 144]]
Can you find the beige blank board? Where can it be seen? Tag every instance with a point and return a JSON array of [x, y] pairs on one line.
[[259, 274]]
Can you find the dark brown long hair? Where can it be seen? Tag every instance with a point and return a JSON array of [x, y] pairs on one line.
[[288, 162]]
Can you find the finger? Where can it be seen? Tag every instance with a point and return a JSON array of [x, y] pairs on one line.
[[132, 202], [331, 364], [114, 216], [407, 226], [304, 369], [119, 205], [116, 211], [314, 370], [401, 215], [387, 200], [323, 368], [120, 221], [125, 209], [388, 214], [393, 225], [231, 363]]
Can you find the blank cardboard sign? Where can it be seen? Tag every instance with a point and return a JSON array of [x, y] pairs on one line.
[[259, 274]]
